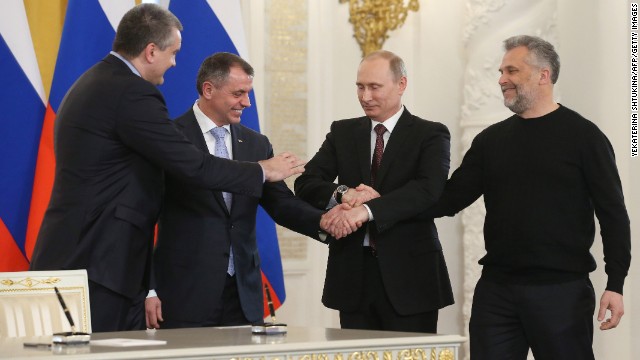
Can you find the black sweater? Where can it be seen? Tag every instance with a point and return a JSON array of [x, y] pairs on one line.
[[542, 179]]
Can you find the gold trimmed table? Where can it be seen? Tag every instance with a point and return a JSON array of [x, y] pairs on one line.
[[300, 343]]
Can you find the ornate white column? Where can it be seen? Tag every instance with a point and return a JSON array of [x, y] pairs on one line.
[[487, 24]]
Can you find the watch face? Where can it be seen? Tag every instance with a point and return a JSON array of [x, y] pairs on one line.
[[342, 189]]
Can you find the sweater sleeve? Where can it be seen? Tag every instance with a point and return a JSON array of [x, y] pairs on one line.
[[605, 189], [465, 185]]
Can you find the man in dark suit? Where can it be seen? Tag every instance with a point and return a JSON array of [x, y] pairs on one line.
[[391, 274], [198, 282], [113, 139]]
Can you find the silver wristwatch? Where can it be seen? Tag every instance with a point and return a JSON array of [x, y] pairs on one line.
[[341, 190]]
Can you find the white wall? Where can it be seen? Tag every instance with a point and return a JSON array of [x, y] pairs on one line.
[[593, 81]]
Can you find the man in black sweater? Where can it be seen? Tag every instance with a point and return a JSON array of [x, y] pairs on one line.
[[543, 172]]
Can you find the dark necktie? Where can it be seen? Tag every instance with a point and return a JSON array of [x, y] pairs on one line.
[[378, 150]]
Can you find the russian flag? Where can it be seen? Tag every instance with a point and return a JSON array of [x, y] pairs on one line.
[[21, 111], [87, 36], [213, 26]]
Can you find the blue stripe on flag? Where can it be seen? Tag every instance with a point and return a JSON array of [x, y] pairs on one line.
[[202, 36], [21, 114], [87, 37]]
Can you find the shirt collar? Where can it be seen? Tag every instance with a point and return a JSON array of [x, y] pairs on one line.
[[391, 122], [129, 64], [204, 122]]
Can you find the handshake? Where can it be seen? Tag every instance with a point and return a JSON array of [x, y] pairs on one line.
[[351, 214]]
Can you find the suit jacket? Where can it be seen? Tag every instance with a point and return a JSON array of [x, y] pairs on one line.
[[196, 230], [113, 139], [411, 177]]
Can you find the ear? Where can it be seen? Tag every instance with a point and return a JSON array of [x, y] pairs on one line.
[[207, 90], [402, 84], [149, 52], [545, 76]]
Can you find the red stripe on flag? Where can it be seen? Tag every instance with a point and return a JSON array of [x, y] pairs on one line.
[[12, 258], [274, 297], [42, 182]]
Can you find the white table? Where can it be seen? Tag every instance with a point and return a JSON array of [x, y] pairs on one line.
[[300, 343]]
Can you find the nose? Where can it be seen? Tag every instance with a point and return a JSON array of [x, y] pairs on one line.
[[365, 94], [502, 80], [245, 101]]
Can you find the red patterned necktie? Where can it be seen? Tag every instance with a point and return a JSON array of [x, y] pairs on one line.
[[377, 152], [375, 165]]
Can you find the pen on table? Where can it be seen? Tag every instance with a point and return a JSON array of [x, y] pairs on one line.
[[65, 309], [37, 345], [272, 311]]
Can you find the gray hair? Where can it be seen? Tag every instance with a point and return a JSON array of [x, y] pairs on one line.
[[542, 53]]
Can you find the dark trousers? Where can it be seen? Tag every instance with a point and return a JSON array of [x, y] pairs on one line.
[[376, 312], [554, 320], [227, 310], [111, 311]]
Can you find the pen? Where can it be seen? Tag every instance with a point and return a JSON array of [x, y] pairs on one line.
[[65, 309], [37, 345], [272, 311]]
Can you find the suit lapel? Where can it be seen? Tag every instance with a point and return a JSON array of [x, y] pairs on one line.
[[239, 148], [395, 143], [193, 132], [363, 141], [240, 151]]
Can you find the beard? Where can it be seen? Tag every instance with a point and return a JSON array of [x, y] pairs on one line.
[[522, 102]]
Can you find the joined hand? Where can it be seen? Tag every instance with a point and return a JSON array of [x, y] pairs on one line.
[[359, 195], [343, 220]]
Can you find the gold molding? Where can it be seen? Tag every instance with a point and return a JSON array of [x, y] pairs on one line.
[[446, 354], [29, 282], [373, 19], [400, 354]]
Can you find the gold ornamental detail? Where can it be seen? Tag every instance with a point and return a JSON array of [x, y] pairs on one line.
[[373, 19], [405, 354], [446, 354], [363, 355], [412, 354], [29, 282]]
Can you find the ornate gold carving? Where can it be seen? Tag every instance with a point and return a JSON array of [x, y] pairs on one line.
[[412, 354], [363, 355], [372, 19], [446, 354], [405, 354], [29, 282], [316, 357]]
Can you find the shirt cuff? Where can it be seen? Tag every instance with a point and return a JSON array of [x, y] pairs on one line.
[[332, 203], [152, 293], [369, 211]]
